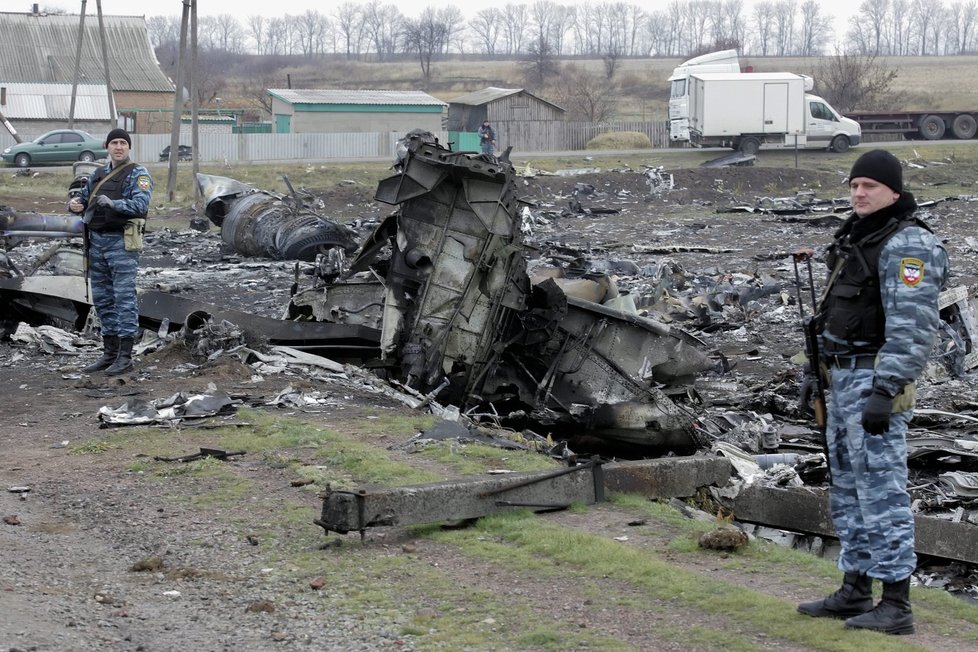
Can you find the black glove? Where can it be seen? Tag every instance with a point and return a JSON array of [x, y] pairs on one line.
[[876, 412], [104, 202]]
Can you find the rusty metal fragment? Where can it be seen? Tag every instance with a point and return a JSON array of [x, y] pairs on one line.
[[266, 224]]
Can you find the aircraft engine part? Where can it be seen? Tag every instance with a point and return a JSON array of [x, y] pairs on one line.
[[14, 223], [263, 224]]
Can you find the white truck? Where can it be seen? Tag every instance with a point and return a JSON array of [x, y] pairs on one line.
[[722, 61], [746, 110]]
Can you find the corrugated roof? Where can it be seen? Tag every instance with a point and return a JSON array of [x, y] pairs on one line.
[[486, 95], [41, 48], [337, 96], [40, 101]]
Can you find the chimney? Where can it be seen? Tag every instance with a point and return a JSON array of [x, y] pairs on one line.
[[35, 8], [3, 96]]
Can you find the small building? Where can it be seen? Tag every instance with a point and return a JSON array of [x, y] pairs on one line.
[[521, 120], [36, 108], [41, 47], [364, 111]]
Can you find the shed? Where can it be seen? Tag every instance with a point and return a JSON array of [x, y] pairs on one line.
[[516, 115], [38, 107], [39, 47], [364, 111]]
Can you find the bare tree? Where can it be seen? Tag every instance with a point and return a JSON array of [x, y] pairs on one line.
[[163, 31], [487, 26], [350, 24], [383, 23], [764, 26], [814, 31], [585, 95], [784, 26], [311, 30], [256, 30], [515, 19], [539, 63], [427, 37], [966, 30], [851, 81]]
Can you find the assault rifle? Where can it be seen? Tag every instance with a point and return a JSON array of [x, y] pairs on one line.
[[814, 387]]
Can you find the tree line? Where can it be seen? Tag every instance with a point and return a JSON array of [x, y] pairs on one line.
[[378, 31]]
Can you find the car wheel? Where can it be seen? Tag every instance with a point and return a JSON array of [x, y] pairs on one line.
[[840, 144], [88, 157], [22, 160]]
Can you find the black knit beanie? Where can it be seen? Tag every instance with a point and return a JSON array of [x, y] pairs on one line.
[[880, 165], [118, 133]]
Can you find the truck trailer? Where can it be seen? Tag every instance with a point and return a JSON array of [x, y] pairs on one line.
[[747, 110], [929, 125]]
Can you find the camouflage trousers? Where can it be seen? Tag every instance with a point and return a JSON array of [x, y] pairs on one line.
[[112, 271], [869, 499]]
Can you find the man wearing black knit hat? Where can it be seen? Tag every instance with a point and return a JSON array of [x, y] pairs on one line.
[[879, 318], [115, 201]]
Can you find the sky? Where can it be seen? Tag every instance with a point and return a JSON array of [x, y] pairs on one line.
[[841, 10]]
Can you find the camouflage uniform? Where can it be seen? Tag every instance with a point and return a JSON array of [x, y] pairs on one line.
[[112, 269], [869, 500]]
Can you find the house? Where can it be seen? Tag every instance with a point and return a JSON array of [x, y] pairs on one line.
[[40, 48], [38, 107], [363, 111], [520, 118]]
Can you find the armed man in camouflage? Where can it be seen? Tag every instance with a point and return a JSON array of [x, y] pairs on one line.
[[112, 198], [880, 317]]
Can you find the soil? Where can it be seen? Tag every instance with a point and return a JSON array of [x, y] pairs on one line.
[[70, 543]]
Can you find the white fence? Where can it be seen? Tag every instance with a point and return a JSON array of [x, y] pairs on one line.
[[248, 148]]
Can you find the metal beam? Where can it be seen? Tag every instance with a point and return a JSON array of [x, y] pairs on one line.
[[453, 500], [807, 510]]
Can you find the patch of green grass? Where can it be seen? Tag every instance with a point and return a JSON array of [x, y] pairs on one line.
[[96, 447], [476, 459], [520, 542]]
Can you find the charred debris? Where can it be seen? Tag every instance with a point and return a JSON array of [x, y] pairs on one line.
[[459, 303]]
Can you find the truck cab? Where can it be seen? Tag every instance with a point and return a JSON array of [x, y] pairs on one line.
[[722, 61]]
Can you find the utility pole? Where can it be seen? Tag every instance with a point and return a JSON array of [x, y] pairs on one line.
[[74, 82], [105, 63], [171, 179], [194, 127]]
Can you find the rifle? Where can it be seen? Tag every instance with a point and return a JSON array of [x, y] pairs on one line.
[[809, 327]]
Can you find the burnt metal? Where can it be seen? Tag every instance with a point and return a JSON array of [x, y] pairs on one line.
[[39, 298], [459, 306], [39, 225], [216, 453], [265, 224]]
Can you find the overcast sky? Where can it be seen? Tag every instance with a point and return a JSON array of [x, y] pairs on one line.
[[841, 10]]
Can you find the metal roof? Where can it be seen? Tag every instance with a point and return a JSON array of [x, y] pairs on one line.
[[337, 96], [41, 48], [487, 95], [46, 101]]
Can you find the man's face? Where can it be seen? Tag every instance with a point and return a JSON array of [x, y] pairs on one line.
[[868, 196], [118, 150]]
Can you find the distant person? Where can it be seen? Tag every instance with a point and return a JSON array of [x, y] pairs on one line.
[[115, 201], [879, 321], [487, 139]]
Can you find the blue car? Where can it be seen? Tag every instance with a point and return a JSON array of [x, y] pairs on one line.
[[58, 146]]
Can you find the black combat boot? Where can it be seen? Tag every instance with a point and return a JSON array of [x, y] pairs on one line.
[[123, 363], [853, 598], [892, 615], [110, 351]]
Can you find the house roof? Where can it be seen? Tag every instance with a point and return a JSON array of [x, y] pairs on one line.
[[492, 93], [336, 96], [41, 48], [49, 101]]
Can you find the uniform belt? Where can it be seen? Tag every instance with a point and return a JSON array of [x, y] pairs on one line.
[[851, 361]]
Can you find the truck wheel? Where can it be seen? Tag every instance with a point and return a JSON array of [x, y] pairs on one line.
[[840, 144], [749, 146], [964, 126], [932, 127]]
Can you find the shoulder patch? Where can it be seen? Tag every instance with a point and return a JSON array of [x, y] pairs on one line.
[[911, 271], [144, 182]]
